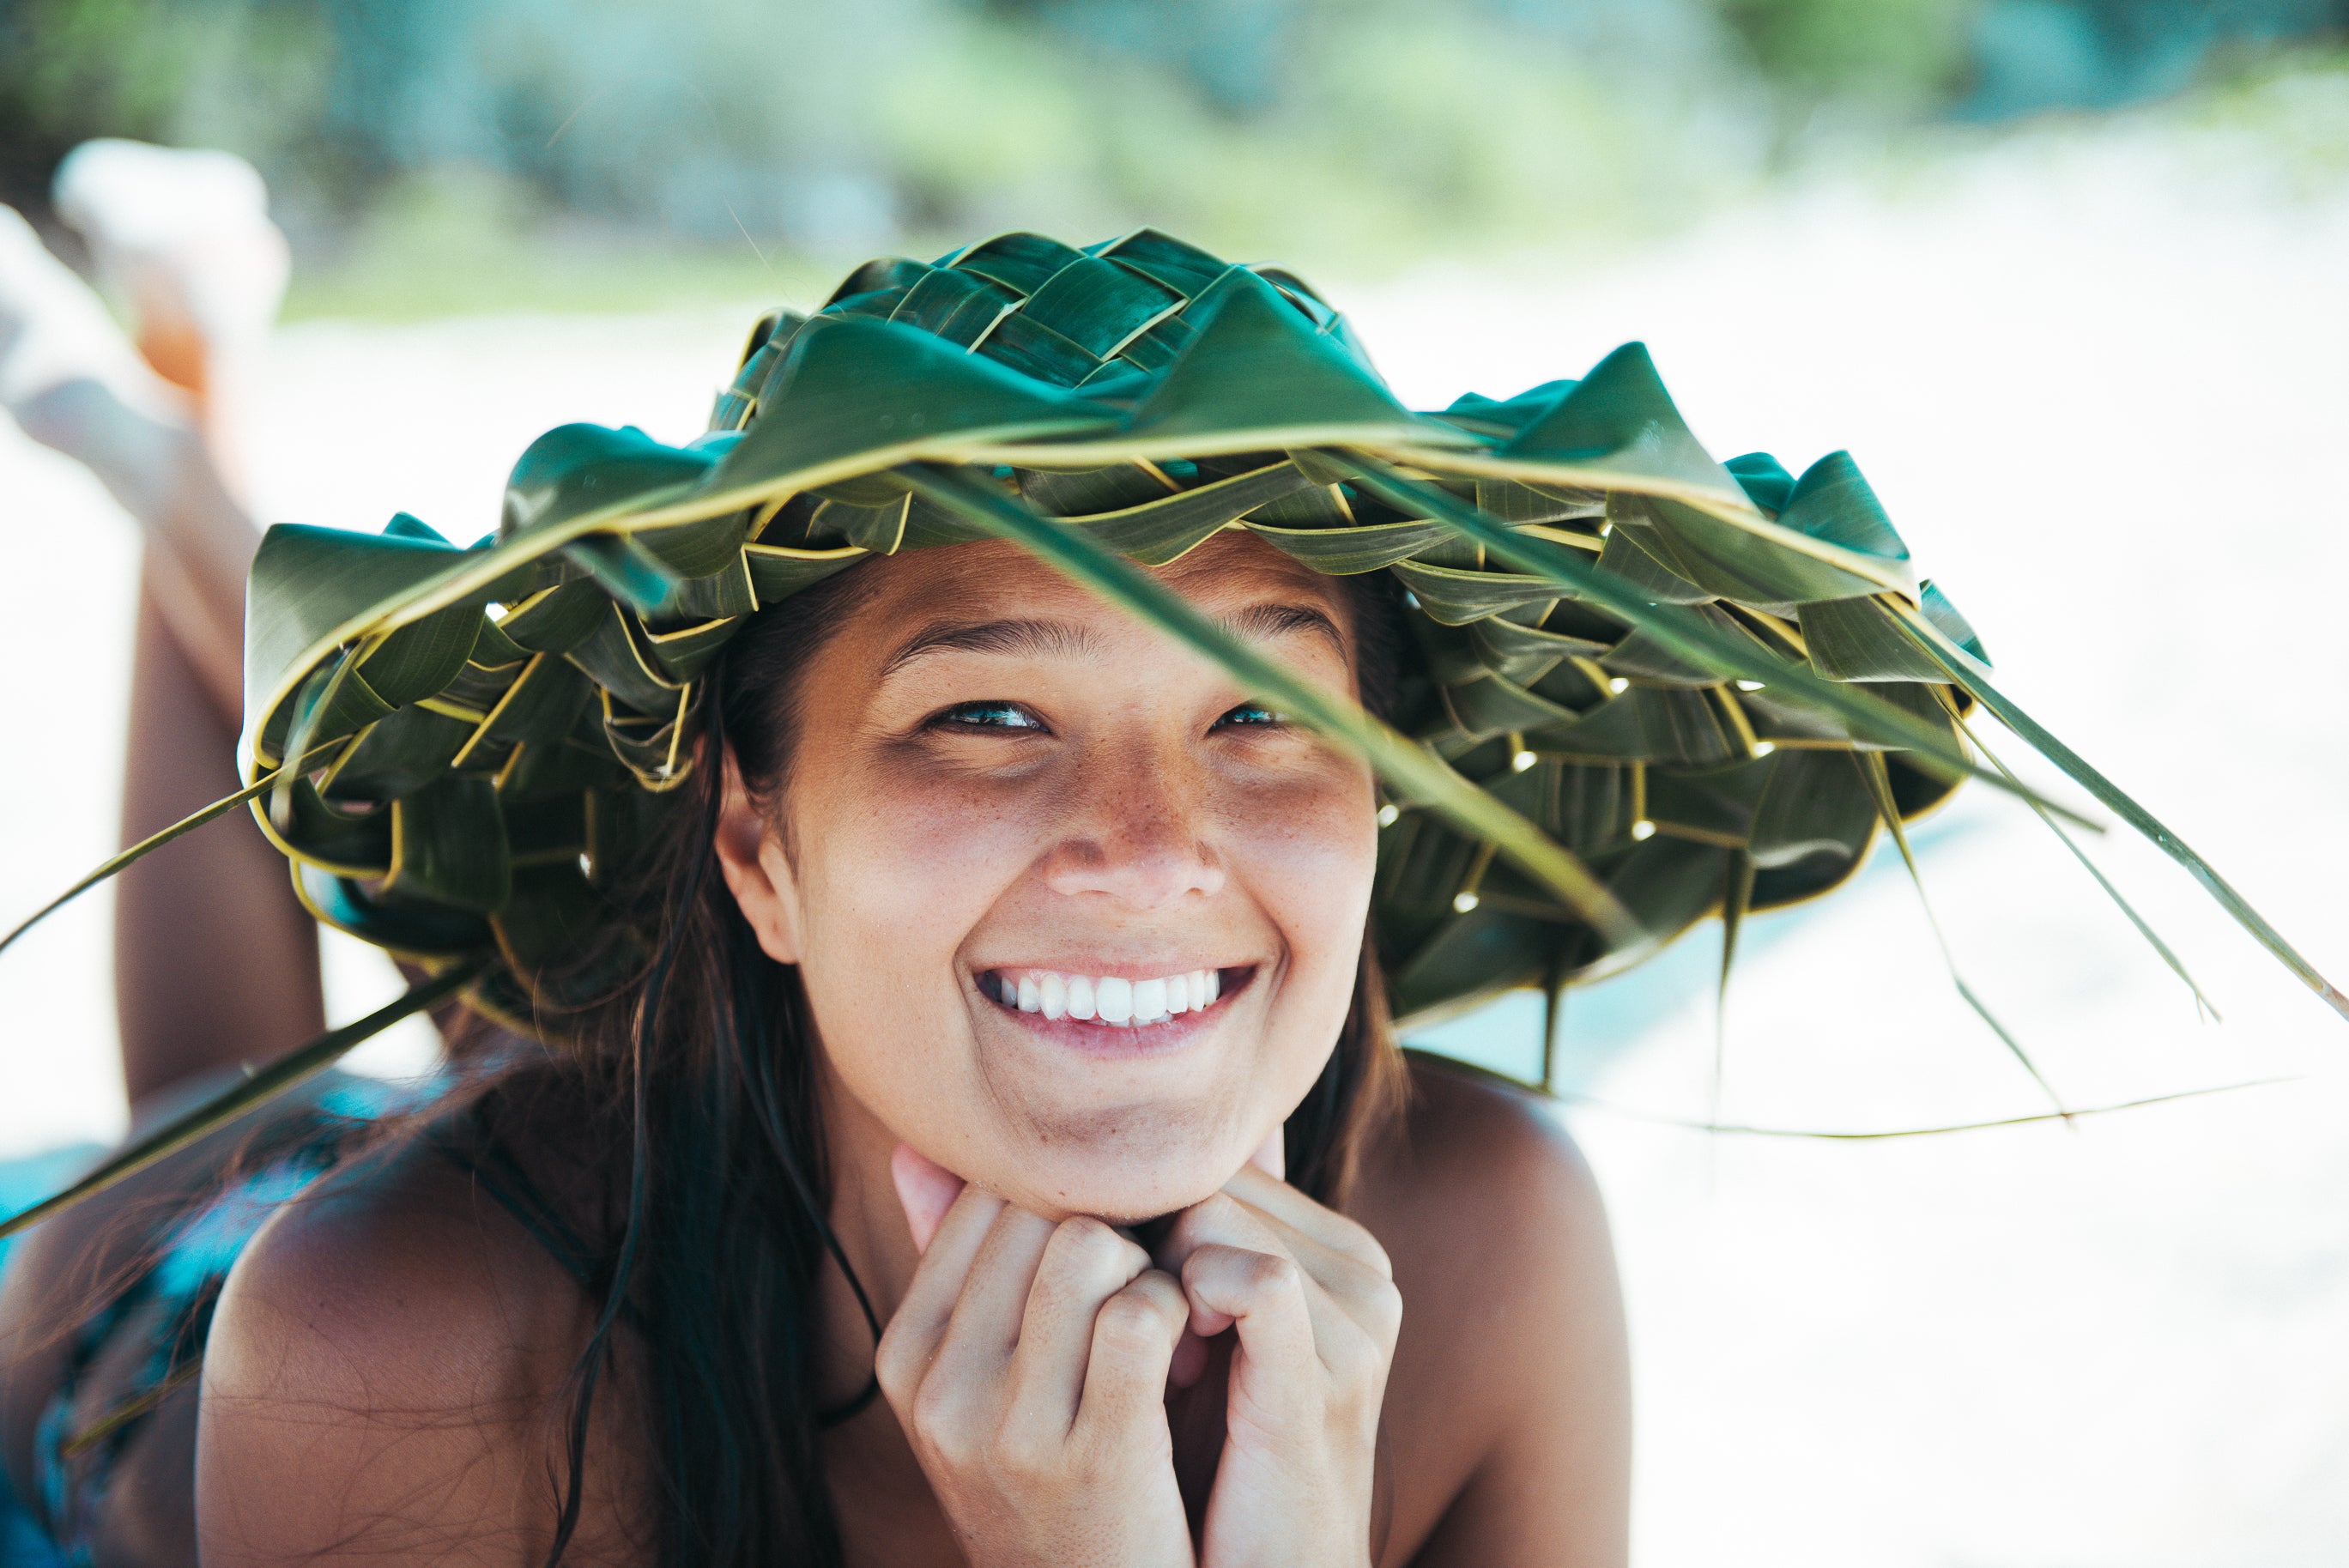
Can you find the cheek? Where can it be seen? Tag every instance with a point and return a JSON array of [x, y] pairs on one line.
[[1310, 856], [893, 880]]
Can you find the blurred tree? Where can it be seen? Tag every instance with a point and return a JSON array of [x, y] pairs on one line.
[[1888, 54], [411, 133], [249, 72]]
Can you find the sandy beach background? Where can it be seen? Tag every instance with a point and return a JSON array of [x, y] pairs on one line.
[[2100, 382]]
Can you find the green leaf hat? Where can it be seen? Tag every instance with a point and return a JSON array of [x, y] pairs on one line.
[[1646, 686]]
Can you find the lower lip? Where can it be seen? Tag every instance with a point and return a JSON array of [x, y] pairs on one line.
[[1093, 1037]]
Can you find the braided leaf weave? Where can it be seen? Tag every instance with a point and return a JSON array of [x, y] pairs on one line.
[[489, 735]]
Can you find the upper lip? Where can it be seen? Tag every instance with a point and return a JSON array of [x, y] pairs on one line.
[[1147, 970]]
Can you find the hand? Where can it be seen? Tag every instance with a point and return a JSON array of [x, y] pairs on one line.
[[1313, 1296], [1028, 1366]]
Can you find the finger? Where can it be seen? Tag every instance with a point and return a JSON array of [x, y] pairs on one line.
[[1285, 1205], [985, 1325], [1351, 1280], [1132, 1344], [1271, 1156], [1278, 1367], [1190, 1362], [920, 1321], [926, 1188], [1218, 1221], [1084, 1265], [1224, 1221], [1342, 1264]]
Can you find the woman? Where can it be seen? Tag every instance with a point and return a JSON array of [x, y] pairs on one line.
[[970, 1129], [933, 804]]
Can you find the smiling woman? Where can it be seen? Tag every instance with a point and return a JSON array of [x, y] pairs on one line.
[[1057, 797], [943, 849]]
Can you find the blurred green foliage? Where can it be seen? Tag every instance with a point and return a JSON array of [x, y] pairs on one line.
[[423, 152], [1903, 54]]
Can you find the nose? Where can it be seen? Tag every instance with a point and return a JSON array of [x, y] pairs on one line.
[[1141, 834]]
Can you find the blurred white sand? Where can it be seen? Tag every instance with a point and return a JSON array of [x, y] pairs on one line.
[[2102, 390]]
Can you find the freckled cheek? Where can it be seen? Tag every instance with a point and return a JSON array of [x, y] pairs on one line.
[[909, 871], [1308, 854]]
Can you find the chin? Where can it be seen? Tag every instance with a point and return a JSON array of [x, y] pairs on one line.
[[1122, 1187]]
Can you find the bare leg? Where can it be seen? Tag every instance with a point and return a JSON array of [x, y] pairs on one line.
[[215, 961]]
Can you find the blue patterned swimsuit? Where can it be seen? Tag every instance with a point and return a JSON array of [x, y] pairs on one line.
[[163, 1312]]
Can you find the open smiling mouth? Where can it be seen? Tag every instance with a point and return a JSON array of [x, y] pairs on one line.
[[1112, 1000]]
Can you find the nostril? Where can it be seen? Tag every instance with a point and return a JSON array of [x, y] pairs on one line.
[[1145, 870]]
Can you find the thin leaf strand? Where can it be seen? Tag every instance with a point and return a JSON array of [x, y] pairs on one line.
[[1879, 787], [1973, 678], [265, 1084]]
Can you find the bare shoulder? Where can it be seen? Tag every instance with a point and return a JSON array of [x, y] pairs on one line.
[[405, 1271], [1476, 1163], [1508, 1404], [387, 1373]]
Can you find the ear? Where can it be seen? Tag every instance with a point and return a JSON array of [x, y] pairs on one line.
[[750, 854]]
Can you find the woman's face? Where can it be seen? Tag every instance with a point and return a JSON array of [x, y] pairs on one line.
[[1012, 806]]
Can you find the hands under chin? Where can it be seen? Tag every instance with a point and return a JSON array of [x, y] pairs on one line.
[[1028, 1364]]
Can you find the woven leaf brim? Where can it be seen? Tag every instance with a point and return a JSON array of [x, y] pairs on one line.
[[1632, 661]]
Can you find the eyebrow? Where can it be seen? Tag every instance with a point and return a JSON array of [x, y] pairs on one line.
[[1063, 639]]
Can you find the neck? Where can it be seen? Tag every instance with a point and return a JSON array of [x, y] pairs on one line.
[[870, 1223]]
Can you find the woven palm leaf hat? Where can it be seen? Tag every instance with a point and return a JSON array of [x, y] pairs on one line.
[[1644, 688]]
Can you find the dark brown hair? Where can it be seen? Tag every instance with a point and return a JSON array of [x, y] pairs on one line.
[[708, 1060]]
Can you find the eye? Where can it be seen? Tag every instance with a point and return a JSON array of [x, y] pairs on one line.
[[1250, 713], [986, 716]]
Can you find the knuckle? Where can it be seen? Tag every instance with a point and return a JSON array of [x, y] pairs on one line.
[[1272, 1274], [1019, 1450], [939, 1417], [1204, 1223], [1257, 1276], [1356, 1242], [1130, 1322], [1384, 1308], [1086, 1244], [897, 1368]]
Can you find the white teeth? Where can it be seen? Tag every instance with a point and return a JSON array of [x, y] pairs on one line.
[[1112, 998]]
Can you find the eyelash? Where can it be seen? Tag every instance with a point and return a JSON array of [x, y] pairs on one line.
[[968, 716], [964, 716]]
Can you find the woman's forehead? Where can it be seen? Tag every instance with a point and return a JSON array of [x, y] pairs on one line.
[[1227, 575]]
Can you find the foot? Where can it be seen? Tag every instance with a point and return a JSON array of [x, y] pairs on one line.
[[184, 236], [72, 380]]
